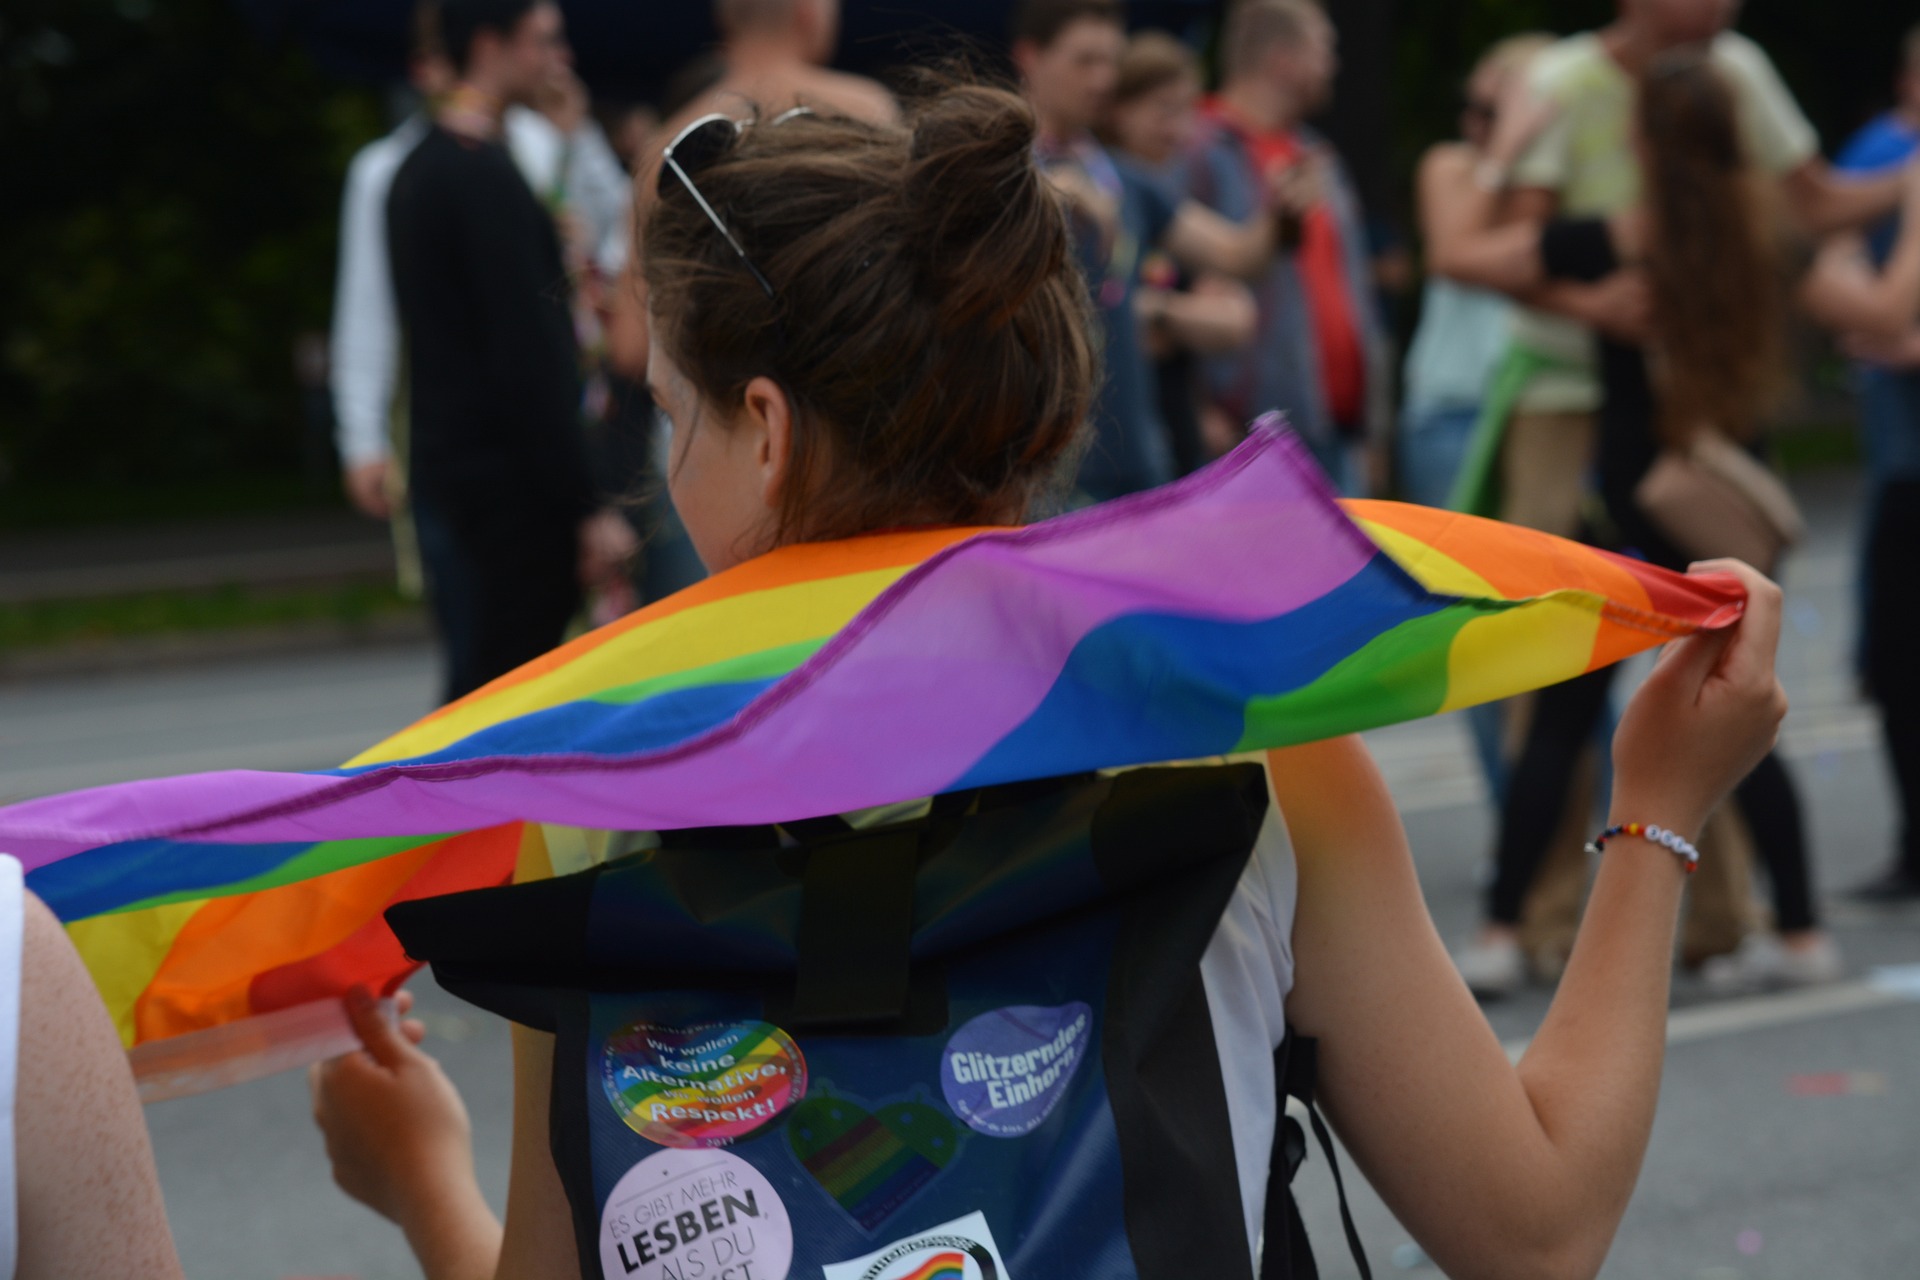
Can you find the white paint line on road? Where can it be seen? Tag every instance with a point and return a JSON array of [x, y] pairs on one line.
[[321, 752], [1759, 1013]]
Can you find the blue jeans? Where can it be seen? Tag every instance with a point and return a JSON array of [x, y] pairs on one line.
[[1433, 444]]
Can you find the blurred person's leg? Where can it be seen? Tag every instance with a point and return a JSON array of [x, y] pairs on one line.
[[452, 586], [1545, 461], [1563, 720], [1720, 910], [523, 602], [1771, 805], [1892, 620]]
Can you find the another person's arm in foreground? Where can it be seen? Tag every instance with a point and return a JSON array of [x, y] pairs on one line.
[[88, 1193]]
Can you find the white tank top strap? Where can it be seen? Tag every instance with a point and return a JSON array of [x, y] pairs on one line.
[[12, 920]]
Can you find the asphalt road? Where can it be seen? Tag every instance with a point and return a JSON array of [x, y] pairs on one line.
[[1789, 1125]]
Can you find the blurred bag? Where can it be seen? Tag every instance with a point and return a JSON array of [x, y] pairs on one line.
[[1713, 499]]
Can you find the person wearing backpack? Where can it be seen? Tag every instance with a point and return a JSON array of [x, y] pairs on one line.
[[851, 338]]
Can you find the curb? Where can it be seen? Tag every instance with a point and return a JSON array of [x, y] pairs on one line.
[[191, 649]]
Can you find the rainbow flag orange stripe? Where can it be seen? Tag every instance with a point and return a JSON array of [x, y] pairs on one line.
[[1241, 609]]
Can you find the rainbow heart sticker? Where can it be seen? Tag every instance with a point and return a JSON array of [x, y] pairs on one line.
[[871, 1162]]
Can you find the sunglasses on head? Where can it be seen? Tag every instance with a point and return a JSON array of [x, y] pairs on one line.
[[694, 150]]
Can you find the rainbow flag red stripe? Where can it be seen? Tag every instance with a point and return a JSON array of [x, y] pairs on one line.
[[1240, 609]]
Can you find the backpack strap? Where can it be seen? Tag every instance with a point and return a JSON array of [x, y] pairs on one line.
[[855, 931], [1296, 1069]]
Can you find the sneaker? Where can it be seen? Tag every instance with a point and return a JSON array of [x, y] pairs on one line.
[[1812, 966], [1893, 886], [1761, 963], [1492, 969]]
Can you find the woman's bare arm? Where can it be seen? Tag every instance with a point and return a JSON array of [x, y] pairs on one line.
[[539, 1242], [1466, 240], [1502, 1170], [1217, 315]]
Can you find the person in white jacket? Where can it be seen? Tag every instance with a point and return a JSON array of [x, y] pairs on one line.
[[571, 168]]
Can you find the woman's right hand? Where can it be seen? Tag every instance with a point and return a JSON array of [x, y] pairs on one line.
[[1709, 712]]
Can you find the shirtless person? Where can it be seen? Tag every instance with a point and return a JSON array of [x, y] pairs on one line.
[[775, 53]]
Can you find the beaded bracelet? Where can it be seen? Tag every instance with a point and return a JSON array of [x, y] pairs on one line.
[[1673, 840]]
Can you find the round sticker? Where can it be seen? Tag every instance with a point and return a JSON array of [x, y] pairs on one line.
[[1005, 1071], [695, 1213], [702, 1086]]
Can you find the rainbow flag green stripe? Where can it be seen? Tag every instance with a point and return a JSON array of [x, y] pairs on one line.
[[1243, 608]]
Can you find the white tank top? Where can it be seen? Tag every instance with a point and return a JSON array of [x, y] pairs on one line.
[[12, 902], [1247, 971]]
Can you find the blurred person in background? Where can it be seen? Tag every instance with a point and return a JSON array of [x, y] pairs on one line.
[[773, 58], [1068, 54], [1149, 123], [509, 524], [1705, 239], [565, 159], [1534, 446], [1463, 331], [1320, 353], [1585, 165], [1866, 285]]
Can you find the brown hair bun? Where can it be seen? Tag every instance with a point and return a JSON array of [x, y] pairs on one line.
[[929, 327], [988, 221]]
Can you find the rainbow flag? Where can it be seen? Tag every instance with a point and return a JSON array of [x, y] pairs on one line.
[[1243, 608]]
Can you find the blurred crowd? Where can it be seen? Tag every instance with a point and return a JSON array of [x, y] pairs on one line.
[[1616, 246]]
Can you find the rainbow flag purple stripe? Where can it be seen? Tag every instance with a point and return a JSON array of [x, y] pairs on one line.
[[1241, 609]]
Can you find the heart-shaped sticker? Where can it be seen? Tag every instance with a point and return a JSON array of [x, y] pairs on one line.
[[871, 1162]]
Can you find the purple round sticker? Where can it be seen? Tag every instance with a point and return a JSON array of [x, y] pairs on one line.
[[1005, 1071]]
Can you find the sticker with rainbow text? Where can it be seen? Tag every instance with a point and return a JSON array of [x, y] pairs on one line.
[[703, 1086]]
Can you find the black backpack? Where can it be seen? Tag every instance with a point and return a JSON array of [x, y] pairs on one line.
[[970, 1046]]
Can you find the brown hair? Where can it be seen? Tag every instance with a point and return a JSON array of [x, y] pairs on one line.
[[1255, 26], [1153, 61], [1714, 262], [930, 327], [1042, 21]]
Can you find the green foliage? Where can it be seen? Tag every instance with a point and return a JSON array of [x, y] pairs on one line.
[[168, 229], [50, 624]]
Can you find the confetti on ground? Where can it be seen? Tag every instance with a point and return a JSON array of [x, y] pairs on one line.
[[1837, 1084]]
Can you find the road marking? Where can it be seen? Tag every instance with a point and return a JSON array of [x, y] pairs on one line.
[[1759, 1013]]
